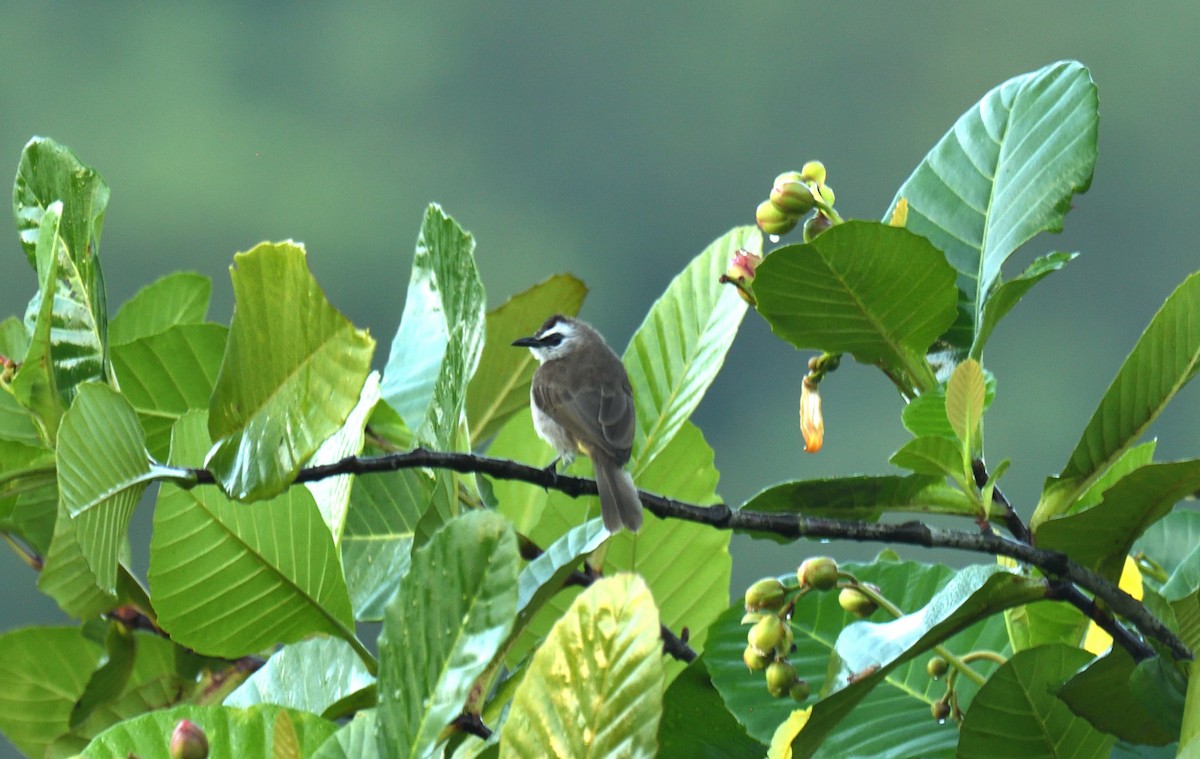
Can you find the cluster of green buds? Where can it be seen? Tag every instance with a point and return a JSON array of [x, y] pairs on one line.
[[938, 667], [770, 639], [795, 194]]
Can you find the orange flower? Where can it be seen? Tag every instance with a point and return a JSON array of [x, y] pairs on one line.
[[812, 426]]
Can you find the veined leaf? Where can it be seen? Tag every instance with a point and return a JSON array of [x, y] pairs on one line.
[[680, 346], [523, 505], [168, 373], [355, 740], [931, 455], [925, 415], [67, 577], [14, 341], [292, 372], [179, 298], [332, 494], [594, 688], [452, 612], [35, 385], [879, 293], [43, 670], [437, 347], [1163, 361], [308, 676], [231, 732], [1102, 694], [1019, 699], [965, 395], [229, 577], [1100, 537], [500, 387], [695, 722], [1003, 173], [103, 468]]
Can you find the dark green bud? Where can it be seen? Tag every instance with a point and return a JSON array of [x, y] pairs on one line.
[[792, 198], [773, 221], [765, 595], [818, 573], [766, 633], [780, 678]]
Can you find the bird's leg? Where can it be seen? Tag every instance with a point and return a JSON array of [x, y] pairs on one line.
[[552, 467], [562, 458]]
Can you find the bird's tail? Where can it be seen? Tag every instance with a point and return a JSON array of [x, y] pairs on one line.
[[619, 501]]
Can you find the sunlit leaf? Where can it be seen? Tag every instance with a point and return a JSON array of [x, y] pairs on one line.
[[292, 372], [179, 298], [308, 676], [594, 688], [332, 494], [965, 395]]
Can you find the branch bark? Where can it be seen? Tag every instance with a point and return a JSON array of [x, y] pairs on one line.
[[794, 526]]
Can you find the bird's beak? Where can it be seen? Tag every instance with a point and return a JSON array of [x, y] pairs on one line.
[[527, 342]]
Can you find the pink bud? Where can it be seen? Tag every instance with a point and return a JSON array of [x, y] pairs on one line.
[[742, 266], [188, 741]]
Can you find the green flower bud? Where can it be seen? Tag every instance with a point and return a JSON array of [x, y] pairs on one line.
[[818, 573], [937, 667], [815, 226], [788, 176], [940, 710], [742, 266], [766, 633], [780, 678], [813, 171], [792, 198], [756, 660], [854, 601], [784, 646], [826, 193], [773, 221], [800, 691], [765, 595], [188, 741]]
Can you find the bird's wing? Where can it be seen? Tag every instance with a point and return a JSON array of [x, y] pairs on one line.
[[599, 418]]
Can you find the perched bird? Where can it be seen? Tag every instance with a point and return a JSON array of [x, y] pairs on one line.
[[582, 403]]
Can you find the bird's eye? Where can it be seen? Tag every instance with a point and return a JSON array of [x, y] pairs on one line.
[[553, 339]]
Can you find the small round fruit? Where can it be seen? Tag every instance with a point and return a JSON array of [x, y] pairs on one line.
[[937, 667], [773, 221], [940, 710], [766, 633], [856, 602], [765, 595], [818, 573], [756, 661], [780, 677], [800, 691]]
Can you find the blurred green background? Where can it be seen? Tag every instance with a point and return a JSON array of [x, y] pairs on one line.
[[614, 141]]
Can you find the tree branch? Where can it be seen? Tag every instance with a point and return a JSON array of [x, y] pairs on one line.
[[788, 525]]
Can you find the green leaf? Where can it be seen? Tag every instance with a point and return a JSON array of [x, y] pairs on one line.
[[308, 676], [1043, 624], [168, 373], [1102, 695], [355, 740], [861, 497], [965, 394], [292, 372], [28, 493], [522, 504], [103, 468], [14, 341], [1163, 361], [110, 678], [695, 722], [594, 688], [173, 300], [925, 415], [500, 387], [896, 713], [1003, 173], [332, 494], [67, 577], [877, 292], [261, 731], [544, 576], [1101, 537], [441, 333], [452, 612], [1169, 542], [43, 671], [932, 456], [35, 385], [377, 542], [1019, 700], [229, 578], [1133, 458], [680, 346], [1007, 294]]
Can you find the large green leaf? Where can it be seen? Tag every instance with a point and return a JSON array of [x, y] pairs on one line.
[[1163, 361], [179, 298], [49, 173], [67, 577], [1016, 713], [1102, 694], [500, 387], [452, 612], [14, 341], [894, 713], [308, 676], [877, 292], [680, 346], [1169, 542], [1100, 537], [28, 493], [260, 731], [861, 497], [355, 740], [229, 578], [441, 333], [594, 688], [43, 671], [1004, 172], [292, 372], [522, 504], [167, 373], [103, 468], [696, 724]]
